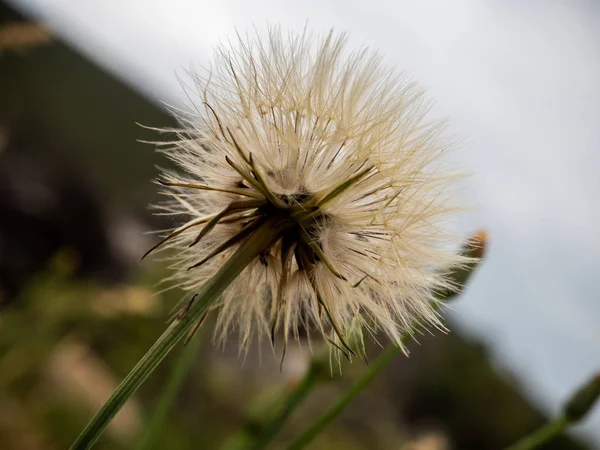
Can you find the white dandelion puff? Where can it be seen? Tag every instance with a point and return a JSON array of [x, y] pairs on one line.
[[334, 146]]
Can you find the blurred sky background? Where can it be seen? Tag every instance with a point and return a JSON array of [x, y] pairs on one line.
[[519, 80]]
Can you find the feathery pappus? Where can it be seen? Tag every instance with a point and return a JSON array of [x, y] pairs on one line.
[[335, 147]]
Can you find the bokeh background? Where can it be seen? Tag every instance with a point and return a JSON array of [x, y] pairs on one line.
[[519, 80]]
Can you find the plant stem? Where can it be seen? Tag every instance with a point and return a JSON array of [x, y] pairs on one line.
[[579, 405], [176, 378], [542, 435], [208, 294], [374, 369], [295, 398], [473, 248]]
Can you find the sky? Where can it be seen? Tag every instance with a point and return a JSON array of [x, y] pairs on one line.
[[518, 80]]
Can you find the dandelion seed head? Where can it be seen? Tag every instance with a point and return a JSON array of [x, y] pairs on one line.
[[332, 141]]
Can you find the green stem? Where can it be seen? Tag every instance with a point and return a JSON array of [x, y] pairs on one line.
[[542, 435], [577, 407], [374, 369], [175, 380], [209, 292], [300, 392], [473, 248]]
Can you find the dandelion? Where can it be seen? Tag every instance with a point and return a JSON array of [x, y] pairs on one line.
[[332, 150]]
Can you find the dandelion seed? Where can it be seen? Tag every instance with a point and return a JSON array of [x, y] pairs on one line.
[[336, 148]]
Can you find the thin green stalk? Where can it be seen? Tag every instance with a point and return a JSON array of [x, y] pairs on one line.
[[208, 293], [271, 429], [474, 248], [374, 369], [542, 435], [578, 406], [176, 378]]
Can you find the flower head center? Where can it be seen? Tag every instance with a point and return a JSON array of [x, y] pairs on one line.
[[300, 236]]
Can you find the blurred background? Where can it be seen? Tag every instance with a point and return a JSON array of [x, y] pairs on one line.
[[518, 79]]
